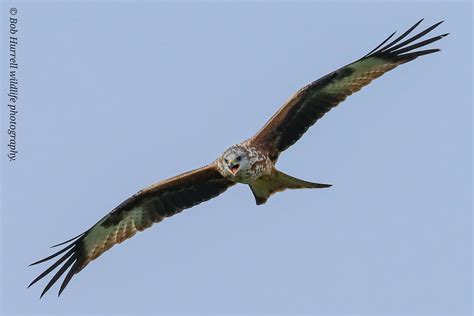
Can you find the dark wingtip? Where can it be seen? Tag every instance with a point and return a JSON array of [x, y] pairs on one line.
[[60, 272], [378, 46], [398, 39], [53, 255], [73, 270], [419, 22], [405, 51], [69, 240], [72, 258]]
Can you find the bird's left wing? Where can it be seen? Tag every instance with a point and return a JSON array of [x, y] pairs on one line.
[[310, 103], [135, 214]]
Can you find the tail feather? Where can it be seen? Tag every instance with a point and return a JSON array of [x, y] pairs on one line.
[[263, 188]]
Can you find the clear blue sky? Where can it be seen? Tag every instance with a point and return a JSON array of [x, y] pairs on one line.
[[118, 95]]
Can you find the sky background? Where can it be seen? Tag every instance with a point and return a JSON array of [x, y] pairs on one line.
[[115, 96]]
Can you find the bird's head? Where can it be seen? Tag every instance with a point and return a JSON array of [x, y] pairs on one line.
[[235, 161]]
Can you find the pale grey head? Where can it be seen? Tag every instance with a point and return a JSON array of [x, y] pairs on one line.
[[240, 162], [234, 161]]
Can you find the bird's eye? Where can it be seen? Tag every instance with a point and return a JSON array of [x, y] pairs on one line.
[[239, 158]]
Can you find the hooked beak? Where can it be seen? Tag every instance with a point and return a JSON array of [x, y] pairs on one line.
[[233, 167]]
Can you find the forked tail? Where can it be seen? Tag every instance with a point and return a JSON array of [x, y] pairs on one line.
[[263, 188]]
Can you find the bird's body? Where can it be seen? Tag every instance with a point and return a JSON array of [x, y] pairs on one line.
[[251, 162]]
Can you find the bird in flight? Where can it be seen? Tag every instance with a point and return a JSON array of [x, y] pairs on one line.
[[250, 162]]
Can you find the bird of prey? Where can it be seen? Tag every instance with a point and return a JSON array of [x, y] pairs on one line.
[[250, 162]]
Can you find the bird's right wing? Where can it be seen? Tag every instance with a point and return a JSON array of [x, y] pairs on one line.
[[310, 103], [135, 214]]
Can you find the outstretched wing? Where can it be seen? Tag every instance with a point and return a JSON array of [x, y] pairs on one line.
[[310, 103], [135, 214]]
